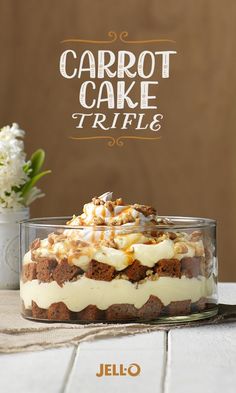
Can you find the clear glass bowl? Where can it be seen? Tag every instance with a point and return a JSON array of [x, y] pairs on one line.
[[158, 273]]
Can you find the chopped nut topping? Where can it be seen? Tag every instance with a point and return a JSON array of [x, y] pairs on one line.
[[180, 248], [119, 202], [163, 221], [35, 244], [195, 236], [150, 241], [146, 210], [181, 236], [199, 249], [110, 243], [110, 206], [162, 236], [97, 201], [58, 237], [121, 276], [172, 235], [51, 237], [151, 277], [128, 218], [75, 243], [157, 233], [55, 238], [98, 221], [83, 243], [122, 219]]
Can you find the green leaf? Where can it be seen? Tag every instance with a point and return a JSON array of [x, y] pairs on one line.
[[27, 167], [37, 160], [27, 187]]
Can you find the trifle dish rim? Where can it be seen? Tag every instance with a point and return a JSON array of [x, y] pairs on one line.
[[194, 222]]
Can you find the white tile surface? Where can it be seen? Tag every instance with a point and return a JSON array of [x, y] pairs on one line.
[[227, 293], [147, 350], [34, 372], [202, 360]]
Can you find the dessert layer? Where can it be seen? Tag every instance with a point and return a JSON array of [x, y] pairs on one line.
[[151, 310], [79, 294], [147, 254], [47, 270], [104, 211]]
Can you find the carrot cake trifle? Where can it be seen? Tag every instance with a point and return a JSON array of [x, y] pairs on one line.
[[118, 262]]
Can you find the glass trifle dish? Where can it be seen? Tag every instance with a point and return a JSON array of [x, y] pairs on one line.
[[118, 263]]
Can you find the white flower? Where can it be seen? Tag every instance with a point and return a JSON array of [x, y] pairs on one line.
[[12, 161], [9, 133], [33, 194], [11, 201]]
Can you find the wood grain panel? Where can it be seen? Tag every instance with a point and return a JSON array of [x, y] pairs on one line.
[[191, 170]]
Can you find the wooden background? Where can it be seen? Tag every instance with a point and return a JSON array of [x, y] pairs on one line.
[[192, 169]]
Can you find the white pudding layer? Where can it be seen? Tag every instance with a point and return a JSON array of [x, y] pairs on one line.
[[79, 294]]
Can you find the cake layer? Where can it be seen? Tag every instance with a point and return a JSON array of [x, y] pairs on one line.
[[151, 310], [77, 295], [47, 270]]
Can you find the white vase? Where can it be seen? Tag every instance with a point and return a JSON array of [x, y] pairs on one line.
[[10, 247]]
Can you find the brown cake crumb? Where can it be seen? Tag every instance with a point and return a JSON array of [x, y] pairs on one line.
[[151, 309], [168, 267], [58, 311], [29, 272], [45, 268], [91, 313], [37, 312], [136, 271], [200, 305], [119, 312], [191, 267], [100, 271], [65, 272], [182, 307]]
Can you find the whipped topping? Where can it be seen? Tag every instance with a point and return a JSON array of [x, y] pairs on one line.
[[104, 211]]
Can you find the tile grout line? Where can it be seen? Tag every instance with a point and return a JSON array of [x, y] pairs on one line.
[[165, 362], [69, 370]]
